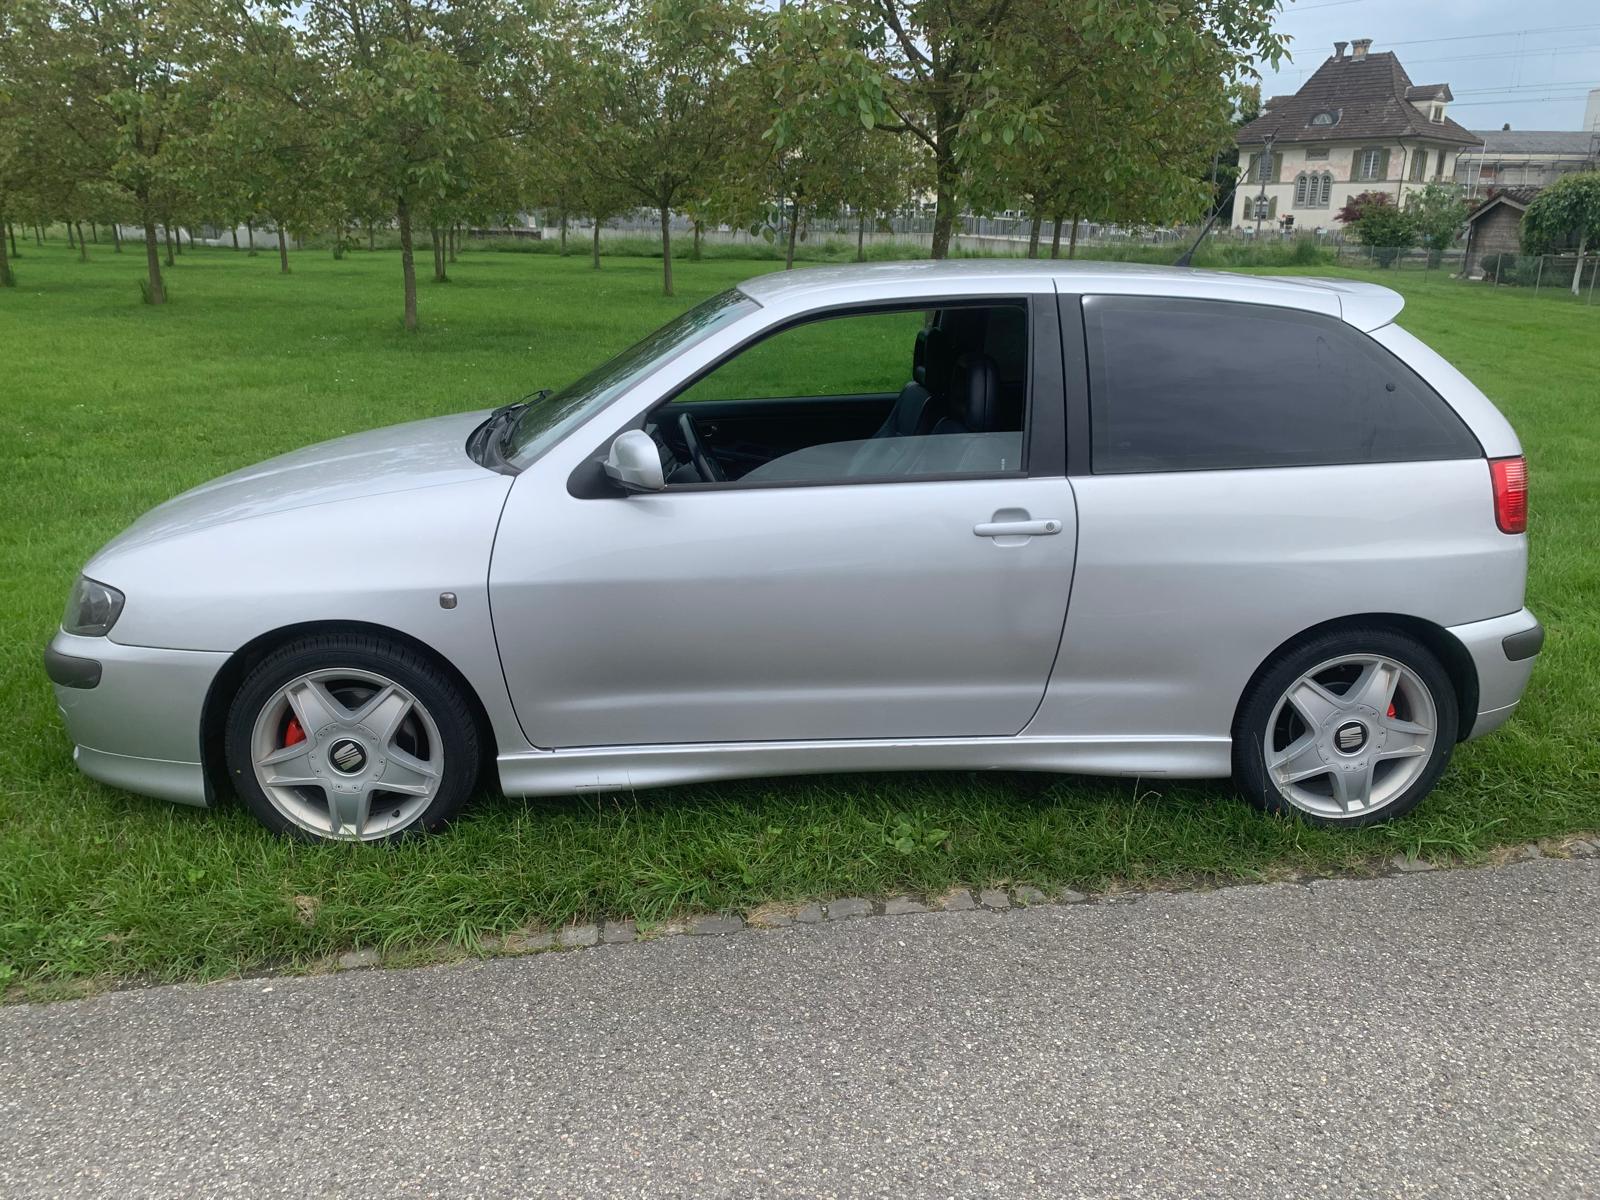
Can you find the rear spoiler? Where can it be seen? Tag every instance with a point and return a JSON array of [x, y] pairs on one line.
[[1367, 306]]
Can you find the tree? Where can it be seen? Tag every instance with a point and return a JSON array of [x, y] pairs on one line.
[[412, 89], [1378, 222], [1437, 211], [109, 77], [1568, 210], [262, 154], [658, 80], [967, 75]]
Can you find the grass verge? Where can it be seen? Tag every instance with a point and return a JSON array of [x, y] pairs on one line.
[[111, 406]]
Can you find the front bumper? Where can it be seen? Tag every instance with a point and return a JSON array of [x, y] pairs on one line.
[[1504, 650], [133, 712]]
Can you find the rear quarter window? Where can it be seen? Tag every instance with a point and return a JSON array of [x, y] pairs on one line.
[[1195, 385]]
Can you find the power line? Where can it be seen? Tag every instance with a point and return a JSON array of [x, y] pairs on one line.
[[1524, 100]]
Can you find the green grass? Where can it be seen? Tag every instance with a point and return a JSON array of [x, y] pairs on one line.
[[110, 406]]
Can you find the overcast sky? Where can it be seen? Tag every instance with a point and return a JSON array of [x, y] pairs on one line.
[[1530, 63]]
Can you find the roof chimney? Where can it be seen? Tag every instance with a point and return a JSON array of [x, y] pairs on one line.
[[1359, 48], [1338, 51]]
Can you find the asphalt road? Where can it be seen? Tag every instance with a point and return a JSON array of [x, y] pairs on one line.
[[1424, 1035]]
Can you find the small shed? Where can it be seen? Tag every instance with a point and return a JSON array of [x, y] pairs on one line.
[[1495, 227]]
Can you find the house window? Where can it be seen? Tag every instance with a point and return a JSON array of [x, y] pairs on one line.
[[1419, 165], [1437, 114], [1313, 190], [1369, 164], [1438, 169], [1326, 117]]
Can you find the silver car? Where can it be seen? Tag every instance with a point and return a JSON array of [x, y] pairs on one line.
[[974, 515]]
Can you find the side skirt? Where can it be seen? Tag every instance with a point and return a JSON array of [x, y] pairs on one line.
[[625, 768]]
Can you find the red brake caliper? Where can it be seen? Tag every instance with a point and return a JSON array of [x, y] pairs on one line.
[[294, 733], [1391, 712]]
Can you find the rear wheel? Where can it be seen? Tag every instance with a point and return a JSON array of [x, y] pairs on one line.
[[351, 738], [1348, 728]]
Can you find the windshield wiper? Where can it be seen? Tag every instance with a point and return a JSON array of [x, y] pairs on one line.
[[507, 415]]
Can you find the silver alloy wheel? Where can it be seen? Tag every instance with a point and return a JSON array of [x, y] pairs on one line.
[[347, 754], [1350, 735]]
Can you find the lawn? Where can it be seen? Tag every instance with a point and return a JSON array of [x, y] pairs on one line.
[[111, 406]]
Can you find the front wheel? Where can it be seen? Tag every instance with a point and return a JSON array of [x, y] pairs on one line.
[[1350, 728], [351, 738]]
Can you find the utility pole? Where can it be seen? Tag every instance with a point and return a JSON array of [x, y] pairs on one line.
[[1265, 167]]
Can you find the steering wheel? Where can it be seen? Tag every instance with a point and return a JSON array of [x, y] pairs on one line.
[[710, 470]]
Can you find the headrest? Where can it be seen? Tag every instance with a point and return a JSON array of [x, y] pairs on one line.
[[974, 398], [938, 360]]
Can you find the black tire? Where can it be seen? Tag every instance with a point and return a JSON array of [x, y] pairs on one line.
[[436, 692], [1250, 772]]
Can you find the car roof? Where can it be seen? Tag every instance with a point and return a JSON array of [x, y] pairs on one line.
[[1364, 305]]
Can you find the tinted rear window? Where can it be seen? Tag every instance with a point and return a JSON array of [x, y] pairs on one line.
[[1193, 385]]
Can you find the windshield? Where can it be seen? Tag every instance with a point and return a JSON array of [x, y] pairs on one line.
[[545, 422]]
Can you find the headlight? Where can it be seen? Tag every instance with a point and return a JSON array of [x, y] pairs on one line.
[[92, 608]]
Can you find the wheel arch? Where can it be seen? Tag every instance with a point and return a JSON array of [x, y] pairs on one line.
[[1452, 655], [225, 685]]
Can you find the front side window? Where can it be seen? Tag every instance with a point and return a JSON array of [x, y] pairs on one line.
[[879, 395], [546, 421], [1369, 164], [1419, 166], [1197, 385]]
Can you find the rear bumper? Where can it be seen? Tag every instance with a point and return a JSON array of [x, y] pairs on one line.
[[133, 712], [1504, 650]]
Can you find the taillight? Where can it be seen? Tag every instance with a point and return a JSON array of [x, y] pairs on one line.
[[1510, 477]]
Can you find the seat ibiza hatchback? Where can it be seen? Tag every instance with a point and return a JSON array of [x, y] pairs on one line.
[[1026, 516]]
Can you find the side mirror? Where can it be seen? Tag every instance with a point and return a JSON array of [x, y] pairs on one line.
[[634, 462]]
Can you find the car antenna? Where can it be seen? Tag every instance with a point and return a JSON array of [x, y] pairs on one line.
[[1186, 259]]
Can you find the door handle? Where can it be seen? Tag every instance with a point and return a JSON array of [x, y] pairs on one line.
[[1039, 528]]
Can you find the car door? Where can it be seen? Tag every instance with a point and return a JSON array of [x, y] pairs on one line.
[[916, 605]]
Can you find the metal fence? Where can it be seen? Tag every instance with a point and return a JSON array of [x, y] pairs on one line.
[[1550, 273]]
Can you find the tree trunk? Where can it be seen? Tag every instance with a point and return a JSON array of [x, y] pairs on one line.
[[116, 236], [83, 246], [696, 252], [71, 245], [666, 251], [794, 230], [152, 258], [250, 237], [7, 279], [235, 237], [1055, 240], [946, 178], [11, 234], [408, 265], [452, 243], [283, 251], [861, 237], [94, 232], [38, 234], [1072, 242], [597, 243], [563, 235], [1033, 233], [372, 236], [439, 273], [1577, 271], [167, 229]]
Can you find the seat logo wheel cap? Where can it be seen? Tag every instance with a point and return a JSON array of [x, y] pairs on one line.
[[347, 756], [1350, 737]]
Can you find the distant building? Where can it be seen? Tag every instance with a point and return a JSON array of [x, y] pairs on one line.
[[1526, 158], [1495, 227], [1357, 125]]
